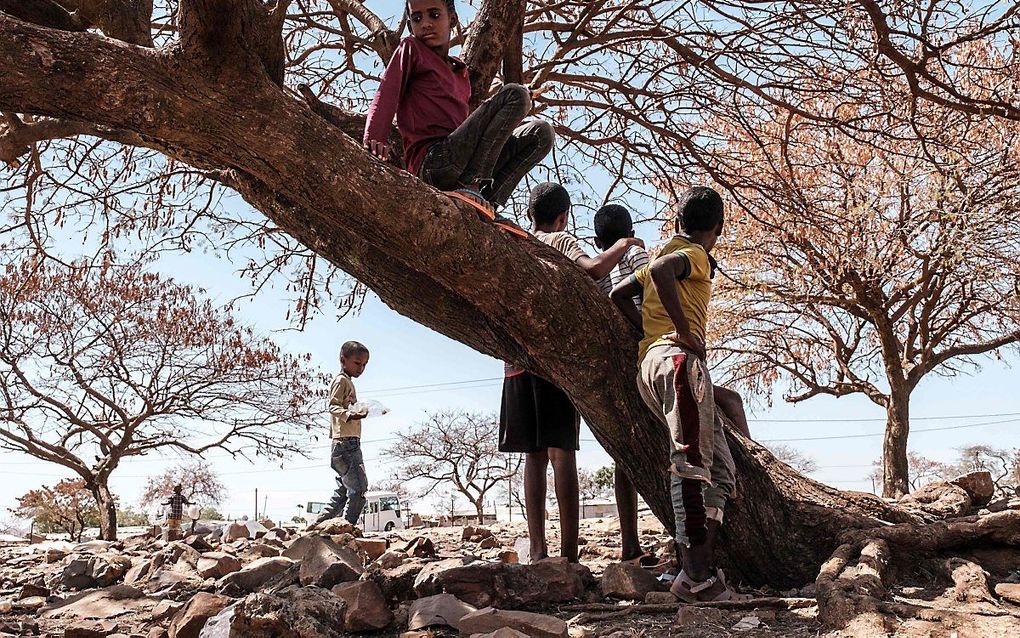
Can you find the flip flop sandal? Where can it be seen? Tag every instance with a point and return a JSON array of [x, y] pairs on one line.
[[475, 200], [646, 561], [485, 210], [687, 590]]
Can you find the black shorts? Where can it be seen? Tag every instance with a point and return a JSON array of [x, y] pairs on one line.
[[536, 415]]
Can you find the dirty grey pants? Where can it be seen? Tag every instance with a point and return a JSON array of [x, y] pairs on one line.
[[351, 481], [492, 143], [675, 385]]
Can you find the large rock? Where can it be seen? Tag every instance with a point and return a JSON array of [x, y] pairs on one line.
[[323, 562], [102, 604], [86, 572], [439, 610], [628, 582], [390, 559], [236, 531], [978, 485], [366, 608], [188, 622], [373, 547], [296, 612], [503, 584], [534, 625], [217, 565], [253, 576], [397, 583]]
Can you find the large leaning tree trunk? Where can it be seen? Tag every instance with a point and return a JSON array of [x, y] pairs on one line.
[[215, 101]]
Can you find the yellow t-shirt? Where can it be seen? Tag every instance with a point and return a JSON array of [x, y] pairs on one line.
[[695, 292]]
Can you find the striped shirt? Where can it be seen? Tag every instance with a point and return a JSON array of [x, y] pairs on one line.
[[633, 260]]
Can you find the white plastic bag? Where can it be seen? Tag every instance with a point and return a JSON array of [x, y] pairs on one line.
[[369, 408], [194, 512]]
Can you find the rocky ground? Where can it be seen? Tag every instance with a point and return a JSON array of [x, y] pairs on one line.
[[333, 581]]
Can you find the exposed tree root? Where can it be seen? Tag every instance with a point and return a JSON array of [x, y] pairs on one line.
[[599, 612], [970, 581], [1001, 528]]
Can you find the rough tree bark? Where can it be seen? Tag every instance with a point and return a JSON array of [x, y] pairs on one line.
[[895, 468], [107, 508], [215, 102]]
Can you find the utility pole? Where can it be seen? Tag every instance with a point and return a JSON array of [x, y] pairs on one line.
[[256, 505]]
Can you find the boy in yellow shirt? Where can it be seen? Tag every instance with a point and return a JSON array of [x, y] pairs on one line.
[[675, 384]]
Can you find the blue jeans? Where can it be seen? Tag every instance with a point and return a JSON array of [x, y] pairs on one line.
[[351, 481], [494, 144]]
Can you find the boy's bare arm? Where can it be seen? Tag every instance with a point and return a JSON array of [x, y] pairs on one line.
[[599, 267], [623, 296], [665, 272]]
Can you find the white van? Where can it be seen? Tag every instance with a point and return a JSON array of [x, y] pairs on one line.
[[381, 514]]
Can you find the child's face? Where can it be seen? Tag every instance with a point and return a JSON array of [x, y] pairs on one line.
[[432, 23], [355, 364]]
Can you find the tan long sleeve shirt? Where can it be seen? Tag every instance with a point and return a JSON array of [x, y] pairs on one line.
[[341, 397]]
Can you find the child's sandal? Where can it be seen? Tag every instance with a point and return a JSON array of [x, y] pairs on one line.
[[687, 590], [475, 200]]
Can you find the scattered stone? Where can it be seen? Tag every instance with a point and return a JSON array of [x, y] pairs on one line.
[[198, 543], [365, 608], [217, 564], [253, 576], [689, 617], [264, 551], [535, 625], [323, 562], [30, 604], [488, 542], [659, 598], [293, 612], [188, 622], [397, 583], [747, 623], [505, 585], [1009, 591], [421, 547], [337, 526], [165, 609], [87, 572], [505, 632], [157, 632], [236, 531], [978, 485], [508, 556], [55, 555], [373, 547], [441, 609], [417, 634], [102, 604], [90, 629], [628, 582], [31, 589], [391, 558], [471, 532]]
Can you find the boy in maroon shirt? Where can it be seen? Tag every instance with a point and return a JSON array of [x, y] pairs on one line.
[[486, 153]]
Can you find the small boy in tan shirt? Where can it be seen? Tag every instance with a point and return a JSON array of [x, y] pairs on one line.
[[345, 430]]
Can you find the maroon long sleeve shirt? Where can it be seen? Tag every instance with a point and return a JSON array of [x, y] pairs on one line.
[[429, 95]]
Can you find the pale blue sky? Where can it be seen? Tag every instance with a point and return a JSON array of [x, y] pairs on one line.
[[405, 354]]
